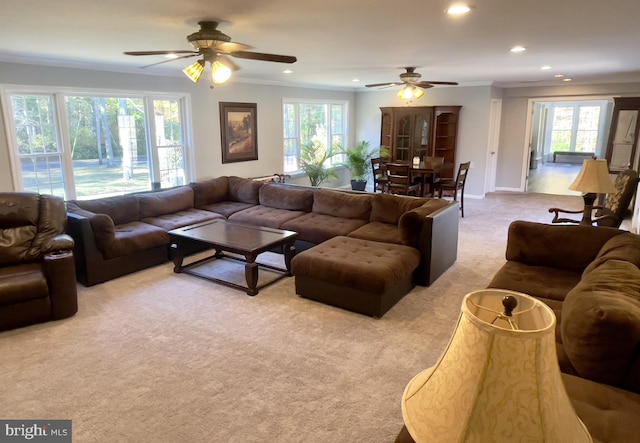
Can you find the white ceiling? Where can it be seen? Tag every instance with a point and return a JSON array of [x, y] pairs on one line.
[[335, 41]]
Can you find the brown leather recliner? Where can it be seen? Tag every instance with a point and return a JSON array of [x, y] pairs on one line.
[[37, 272]]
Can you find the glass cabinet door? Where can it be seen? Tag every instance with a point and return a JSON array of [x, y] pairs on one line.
[[403, 139], [623, 139], [421, 135]]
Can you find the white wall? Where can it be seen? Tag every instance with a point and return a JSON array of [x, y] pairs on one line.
[[513, 136], [473, 128], [204, 112]]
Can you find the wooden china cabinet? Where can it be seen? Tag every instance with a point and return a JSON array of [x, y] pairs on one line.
[[421, 131]]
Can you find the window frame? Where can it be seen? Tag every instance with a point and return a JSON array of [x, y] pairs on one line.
[[335, 161], [58, 95]]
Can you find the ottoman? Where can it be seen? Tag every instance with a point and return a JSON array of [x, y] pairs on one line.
[[362, 276]]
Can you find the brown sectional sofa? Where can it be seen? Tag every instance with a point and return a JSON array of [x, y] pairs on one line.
[[115, 236], [590, 276]]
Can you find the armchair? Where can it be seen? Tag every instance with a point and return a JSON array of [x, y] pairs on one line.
[[615, 206], [37, 271]]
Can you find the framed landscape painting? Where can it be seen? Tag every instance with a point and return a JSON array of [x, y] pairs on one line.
[[238, 129]]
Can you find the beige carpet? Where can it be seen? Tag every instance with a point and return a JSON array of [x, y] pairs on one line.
[[160, 357]]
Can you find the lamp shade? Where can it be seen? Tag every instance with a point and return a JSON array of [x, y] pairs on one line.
[[493, 383], [194, 70], [593, 178]]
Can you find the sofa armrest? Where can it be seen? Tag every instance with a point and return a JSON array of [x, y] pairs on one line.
[[435, 234], [86, 252], [558, 246], [62, 242], [59, 270]]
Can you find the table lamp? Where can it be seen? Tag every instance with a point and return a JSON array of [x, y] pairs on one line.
[[497, 381], [593, 179]]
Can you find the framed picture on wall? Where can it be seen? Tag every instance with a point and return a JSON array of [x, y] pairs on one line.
[[238, 129]]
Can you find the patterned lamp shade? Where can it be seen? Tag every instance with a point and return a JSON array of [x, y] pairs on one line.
[[494, 383]]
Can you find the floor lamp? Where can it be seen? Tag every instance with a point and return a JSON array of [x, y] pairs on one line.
[[593, 179], [497, 381]]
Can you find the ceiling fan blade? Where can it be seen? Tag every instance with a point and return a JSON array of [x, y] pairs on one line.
[[170, 60], [425, 82], [228, 47], [375, 85], [264, 57], [177, 51]]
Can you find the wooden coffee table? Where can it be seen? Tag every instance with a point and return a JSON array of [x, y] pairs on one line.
[[244, 240]]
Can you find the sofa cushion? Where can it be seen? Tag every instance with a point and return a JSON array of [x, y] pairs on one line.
[[316, 228], [387, 208], [179, 219], [173, 200], [122, 208], [601, 323], [210, 191], [244, 190], [265, 216], [378, 231], [22, 283], [281, 197], [538, 281], [226, 208], [134, 237], [556, 246], [621, 247], [342, 204]]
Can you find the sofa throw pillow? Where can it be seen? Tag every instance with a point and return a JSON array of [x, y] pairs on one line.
[[600, 324], [387, 208], [153, 204], [621, 247], [244, 190], [122, 208], [210, 191], [282, 197], [342, 204]]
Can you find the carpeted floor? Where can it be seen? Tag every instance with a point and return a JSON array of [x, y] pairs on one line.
[[160, 357]]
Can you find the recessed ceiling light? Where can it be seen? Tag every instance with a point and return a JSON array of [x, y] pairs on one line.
[[171, 55], [518, 49], [287, 71], [559, 76], [567, 79], [545, 67], [355, 80], [458, 9]]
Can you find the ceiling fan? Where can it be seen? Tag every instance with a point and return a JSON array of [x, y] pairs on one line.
[[413, 86], [214, 47]]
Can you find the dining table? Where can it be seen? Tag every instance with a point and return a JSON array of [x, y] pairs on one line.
[[428, 176]]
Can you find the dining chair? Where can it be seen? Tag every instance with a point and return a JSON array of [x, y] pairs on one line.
[[455, 185], [399, 180], [379, 171]]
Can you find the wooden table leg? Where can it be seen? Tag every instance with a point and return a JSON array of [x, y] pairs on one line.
[[177, 256], [251, 275], [289, 253]]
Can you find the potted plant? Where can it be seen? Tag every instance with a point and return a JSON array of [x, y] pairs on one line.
[[358, 162], [313, 156]]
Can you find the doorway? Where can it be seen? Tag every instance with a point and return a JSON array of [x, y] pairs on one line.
[[565, 128]]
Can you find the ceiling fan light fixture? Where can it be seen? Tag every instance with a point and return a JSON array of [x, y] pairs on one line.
[[194, 71], [219, 72], [409, 92]]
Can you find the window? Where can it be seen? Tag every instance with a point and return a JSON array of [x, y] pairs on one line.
[[575, 127], [88, 146], [312, 121]]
